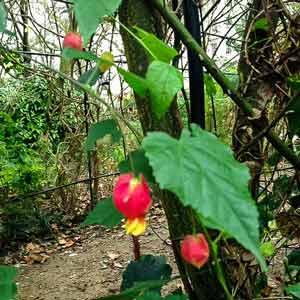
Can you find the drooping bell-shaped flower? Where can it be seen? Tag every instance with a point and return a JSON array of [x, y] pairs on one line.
[[132, 198], [195, 250]]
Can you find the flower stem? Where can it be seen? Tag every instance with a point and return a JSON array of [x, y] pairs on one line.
[[136, 247]]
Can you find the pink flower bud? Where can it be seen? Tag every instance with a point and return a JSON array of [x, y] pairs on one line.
[[73, 40], [131, 196], [195, 250]]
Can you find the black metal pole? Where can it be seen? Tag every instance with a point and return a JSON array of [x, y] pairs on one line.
[[86, 112], [196, 80]]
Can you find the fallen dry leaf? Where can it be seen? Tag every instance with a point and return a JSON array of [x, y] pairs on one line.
[[35, 258], [112, 255], [34, 248]]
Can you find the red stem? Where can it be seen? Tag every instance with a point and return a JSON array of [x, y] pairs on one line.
[[136, 248]]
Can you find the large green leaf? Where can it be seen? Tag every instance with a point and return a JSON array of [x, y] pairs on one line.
[[2, 17], [164, 82], [138, 289], [104, 214], [107, 131], [148, 267], [8, 288], [293, 290], [137, 163], [158, 48], [150, 295], [203, 173], [89, 14], [137, 83], [161, 84], [176, 297]]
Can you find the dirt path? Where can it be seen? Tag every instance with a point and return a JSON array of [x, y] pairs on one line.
[[90, 268]]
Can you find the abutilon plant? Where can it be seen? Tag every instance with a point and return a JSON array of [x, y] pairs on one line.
[[131, 197], [195, 250]]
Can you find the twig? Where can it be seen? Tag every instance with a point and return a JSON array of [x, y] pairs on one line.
[[226, 85], [53, 189]]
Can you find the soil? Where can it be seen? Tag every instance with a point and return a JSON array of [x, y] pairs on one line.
[[93, 266], [83, 264]]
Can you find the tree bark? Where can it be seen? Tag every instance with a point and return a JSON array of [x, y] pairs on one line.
[[203, 284], [255, 53]]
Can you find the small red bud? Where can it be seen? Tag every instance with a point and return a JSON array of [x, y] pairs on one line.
[[131, 196], [73, 40], [195, 250]]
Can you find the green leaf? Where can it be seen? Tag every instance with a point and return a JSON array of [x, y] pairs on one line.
[[89, 14], [138, 289], [7, 274], [158, 48], [140, 164], [162, 91], [3, 16], [91, 76], [176, 297], [137, 83], [104, 214], [8, 288], [210, 85], [294, 82], [70, 53], [164, 81], [150, 295], [148, 267], [262, 24], [107, 131], [293, 290], [203, 173], [267, 249]]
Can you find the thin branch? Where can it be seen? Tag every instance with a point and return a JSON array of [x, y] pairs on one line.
[[53, 189], [226, 85]]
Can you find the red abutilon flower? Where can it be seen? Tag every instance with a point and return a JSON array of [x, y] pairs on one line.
[[73, 40], [195, 250], [132, 198]]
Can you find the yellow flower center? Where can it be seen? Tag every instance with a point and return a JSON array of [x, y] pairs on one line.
[[135, 226]]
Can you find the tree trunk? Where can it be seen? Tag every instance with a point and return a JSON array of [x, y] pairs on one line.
[[201, 284], [256, 52]]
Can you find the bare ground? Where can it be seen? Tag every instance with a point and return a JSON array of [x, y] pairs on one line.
[[92, 267]]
